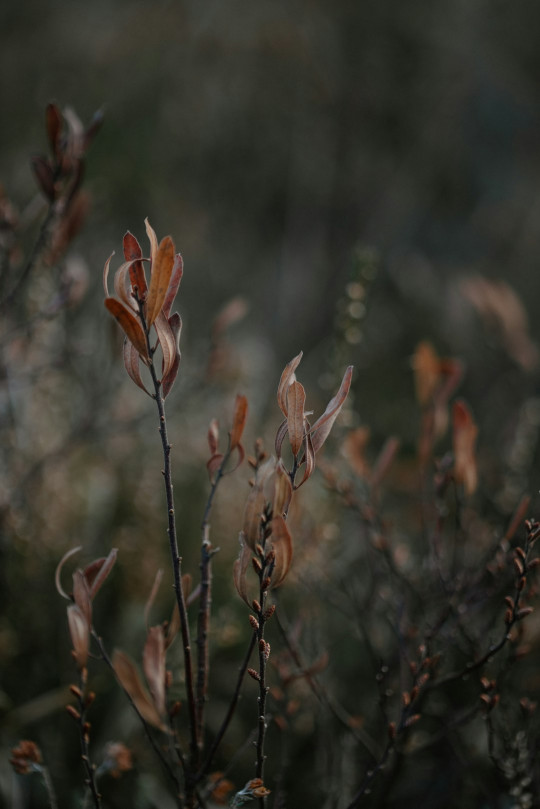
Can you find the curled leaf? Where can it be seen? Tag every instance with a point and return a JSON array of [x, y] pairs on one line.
[[132, 365], [323, 425], [106, 275], [282, 490], [167, 342], [79, 631], [152, 238], [282, 545], [81, 595], [175, 322], [287, 378], [176, 277], [128, 677], [58, 571], [132, 252], [96, 580]]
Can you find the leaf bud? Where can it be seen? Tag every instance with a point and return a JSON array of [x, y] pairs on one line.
[[253, 621], [254, 674]]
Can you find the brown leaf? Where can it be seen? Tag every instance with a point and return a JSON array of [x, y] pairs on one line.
[[175, 322], [97, 578], [167, 342], [129, 324], [122, 285], [287, 378], [81, 595], [154, 666], [464, 440], [176, 277], [213, 465], [79, 631], [162, 266], [323, 425], [44, 175], [213, 436], [309, 457], [152, 596], [282, 545], [58, 571], [131, 363], [128, 677], [106, 275], [152, 238], [282, 431], [256, 502], [54, 125], [132, 252], [296, 399], [239, 421], [240, 568], [283, 490]]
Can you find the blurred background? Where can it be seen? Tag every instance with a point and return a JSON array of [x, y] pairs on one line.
[[345, 178]]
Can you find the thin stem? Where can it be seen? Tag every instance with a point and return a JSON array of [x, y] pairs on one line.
[[84, 728], [230, 711], [49, 787], [157, 750]]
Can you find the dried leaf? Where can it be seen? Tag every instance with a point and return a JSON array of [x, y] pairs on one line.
[[296, 399], [213, 465], [58, 571], [106, 275], [81, 595], [283, 490], [122, 285], [162, 266], [44, 175], [287, 378], [54, 125], [167, 342], [282, 431], [282, 545], [128, 677], [309, 457], [79, 631], [176, 277], [154, 666], [132, 252], [175, 322], [464, 440], [131, 363], [152, 596], [240, 567], [129, 324], [256, 502], [213, 436], [323, 425], [105, 566], [239, 421], [152, 238]]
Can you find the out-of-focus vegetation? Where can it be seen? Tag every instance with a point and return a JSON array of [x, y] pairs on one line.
[[350, 179]]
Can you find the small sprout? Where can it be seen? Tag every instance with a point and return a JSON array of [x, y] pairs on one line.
[[254, 674], [73, 712], [254, 623]]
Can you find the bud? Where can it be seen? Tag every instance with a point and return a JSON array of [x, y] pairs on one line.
[[254, 674], [253, 621]]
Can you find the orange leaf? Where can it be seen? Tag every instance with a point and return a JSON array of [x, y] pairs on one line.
[[162, 266], [464, 441], [296, 399], [129, 324], [287, 378], [239, 421]]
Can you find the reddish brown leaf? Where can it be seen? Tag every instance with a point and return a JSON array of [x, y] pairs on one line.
[[129, 324], [282, 431], [58, 571], [296, 399], [176, 277], [132, 252], [128, 677], [282, 545], [44, 175], [323, 425], [239, 421], [167, 342], [54, 125], [95, 576], [154, 666], [175, 322], [282, 490], [162, 266], [131, 363], [79, 631], [287, 378], [464, 441], [81, 595], [309, 457], [213, 465]]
